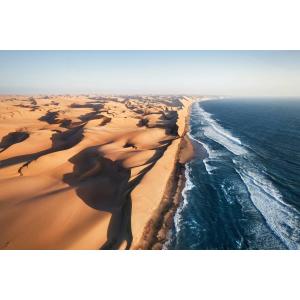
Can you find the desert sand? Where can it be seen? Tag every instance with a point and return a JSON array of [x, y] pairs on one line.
[[89, 172]]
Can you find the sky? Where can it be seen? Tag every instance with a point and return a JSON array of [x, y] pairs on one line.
[[230, 73]]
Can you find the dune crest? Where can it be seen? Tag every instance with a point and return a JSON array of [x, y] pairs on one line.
[[80, 172]]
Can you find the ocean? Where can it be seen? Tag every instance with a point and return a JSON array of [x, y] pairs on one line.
[[243, 190]]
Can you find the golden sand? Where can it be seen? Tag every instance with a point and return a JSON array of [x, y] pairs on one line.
[[86, 172]]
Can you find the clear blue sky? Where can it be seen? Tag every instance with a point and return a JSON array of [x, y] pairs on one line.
[[237, 73]]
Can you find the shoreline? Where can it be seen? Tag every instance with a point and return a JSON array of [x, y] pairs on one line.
[[117, 162], [156, 231]]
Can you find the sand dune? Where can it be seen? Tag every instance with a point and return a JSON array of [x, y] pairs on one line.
[[86, 172]]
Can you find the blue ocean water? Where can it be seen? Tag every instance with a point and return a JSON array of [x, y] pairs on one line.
[[243, 191]]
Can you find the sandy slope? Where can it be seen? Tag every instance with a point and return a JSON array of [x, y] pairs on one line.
[[84, 172]]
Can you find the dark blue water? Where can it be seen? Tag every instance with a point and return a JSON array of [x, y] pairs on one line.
[[245, 193]]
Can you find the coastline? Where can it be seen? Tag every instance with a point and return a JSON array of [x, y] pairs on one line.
[[156, 231], [117, 162]]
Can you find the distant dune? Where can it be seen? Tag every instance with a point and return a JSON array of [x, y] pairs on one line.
[[88, 172]]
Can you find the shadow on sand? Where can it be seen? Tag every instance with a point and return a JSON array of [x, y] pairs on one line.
[[60, 141], [105, 185]]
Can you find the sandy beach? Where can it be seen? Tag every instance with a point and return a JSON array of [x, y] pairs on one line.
[[90, 172]]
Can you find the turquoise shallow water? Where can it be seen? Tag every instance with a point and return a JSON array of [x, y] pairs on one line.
[[245, 194]]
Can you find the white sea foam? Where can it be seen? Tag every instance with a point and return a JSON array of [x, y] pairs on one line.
[[283, 219], [209, 168], [212, 154], [207, 149], [188, 186], [217, 133]]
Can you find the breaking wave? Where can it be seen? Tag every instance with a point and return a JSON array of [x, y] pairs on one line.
[[188, 187], [234, 175]]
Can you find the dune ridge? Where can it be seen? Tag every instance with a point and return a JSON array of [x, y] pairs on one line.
[[87, 172]]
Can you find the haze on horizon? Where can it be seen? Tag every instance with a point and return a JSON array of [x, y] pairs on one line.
[[234, 73]]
